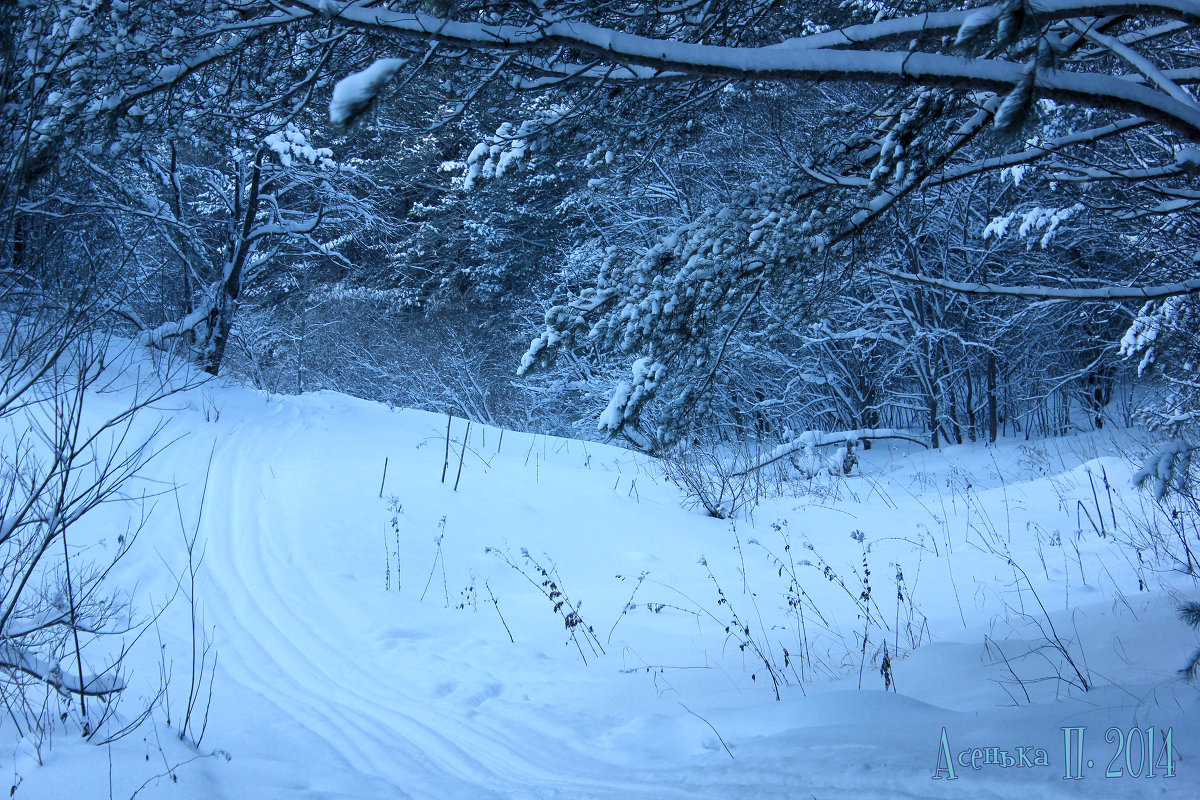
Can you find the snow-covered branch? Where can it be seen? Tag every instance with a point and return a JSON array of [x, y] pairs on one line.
[[14, 658], [1049, 292], [813, 439], [822, 57]]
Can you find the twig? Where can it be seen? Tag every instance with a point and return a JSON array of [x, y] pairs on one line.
[[446, 459], [710, 725], [462, 454], [496, 603]]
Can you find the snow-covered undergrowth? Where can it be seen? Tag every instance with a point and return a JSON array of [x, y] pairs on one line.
[[530, 617]]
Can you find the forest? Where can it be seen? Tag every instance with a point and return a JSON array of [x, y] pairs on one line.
[[708, 252]]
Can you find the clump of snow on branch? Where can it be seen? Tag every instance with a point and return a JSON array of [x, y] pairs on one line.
[[1035, 220], [353, 94], [1016, 173], [291, 144], [1168, 468], [499, 152], [1163, 334], [1152, 320], [630, 396], [1188, 158]]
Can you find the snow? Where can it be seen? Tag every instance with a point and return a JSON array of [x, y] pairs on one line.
[[175, 328], [79, 28], [19, 660], [1167, 468], [361, 654], [976, 22], [1035, 219], [292, 144], [613, 415], [352, 94], [1016, 173], [998, 227]]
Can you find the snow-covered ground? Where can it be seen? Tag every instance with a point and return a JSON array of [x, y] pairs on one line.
[[398, 641]]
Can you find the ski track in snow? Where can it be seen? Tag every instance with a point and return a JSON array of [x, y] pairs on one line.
[[291, 648], [366, 705]]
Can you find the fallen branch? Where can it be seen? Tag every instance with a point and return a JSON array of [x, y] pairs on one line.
[[13, 660], [822, 439]]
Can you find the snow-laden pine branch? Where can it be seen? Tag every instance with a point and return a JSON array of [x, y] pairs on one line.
[[1168, 468]]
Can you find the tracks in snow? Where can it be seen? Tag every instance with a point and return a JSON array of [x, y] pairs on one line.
[[287, 631]]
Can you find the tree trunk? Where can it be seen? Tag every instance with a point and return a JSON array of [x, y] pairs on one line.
[[955, 424], [933, 421], [220, 322], [992, 410], [220, 319]]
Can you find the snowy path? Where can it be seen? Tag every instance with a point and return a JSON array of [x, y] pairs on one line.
[[331, 686], [291, 635], [372, 706]]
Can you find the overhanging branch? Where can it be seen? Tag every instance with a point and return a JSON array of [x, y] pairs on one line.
[[814, 58], [1140, 293]]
